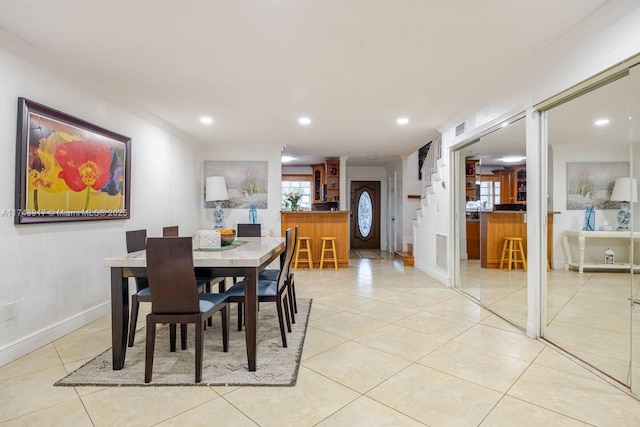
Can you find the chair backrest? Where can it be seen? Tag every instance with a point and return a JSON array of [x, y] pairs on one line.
[[171, 231], [286, 266], [136, 240], [249, 230], [282, 277], [171, 275]]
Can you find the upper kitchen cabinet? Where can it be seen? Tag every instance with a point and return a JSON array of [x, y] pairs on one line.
[[333, 180], [317, 196], [513, 185]]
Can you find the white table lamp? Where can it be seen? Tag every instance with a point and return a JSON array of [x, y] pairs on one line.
[[216, 191], [625, 190]]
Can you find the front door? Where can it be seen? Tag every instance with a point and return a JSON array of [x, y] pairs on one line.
[[365, 215]]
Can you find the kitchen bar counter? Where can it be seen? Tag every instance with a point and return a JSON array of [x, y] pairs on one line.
[[317, 224], [496, 225]]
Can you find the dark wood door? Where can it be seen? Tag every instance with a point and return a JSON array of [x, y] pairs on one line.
[[365, 215]]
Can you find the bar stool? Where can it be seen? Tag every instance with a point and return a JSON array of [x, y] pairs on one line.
[[331, 250], [514, 246], [306, 249]]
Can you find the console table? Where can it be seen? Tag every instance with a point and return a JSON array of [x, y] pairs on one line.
[[582, 237]]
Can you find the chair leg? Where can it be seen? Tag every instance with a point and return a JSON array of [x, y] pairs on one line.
[[172, 337], [199, 341], [151, 341], [240, 308], [183, 335], [224, 313], [524, 260], [281, 321], [292, 285], [291, 304], [135, 306], [504, 250], [207, 289], [285, 304]]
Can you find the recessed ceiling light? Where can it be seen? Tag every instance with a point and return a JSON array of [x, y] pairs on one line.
[[402, 121], [512, 159], [304, 121], [206, 120], [601, 122], [286, 159], [373, 157]]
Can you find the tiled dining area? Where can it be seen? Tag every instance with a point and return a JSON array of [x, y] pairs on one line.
[[386, 345]]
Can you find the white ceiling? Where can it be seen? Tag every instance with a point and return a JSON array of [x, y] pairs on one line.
[[353, 66]]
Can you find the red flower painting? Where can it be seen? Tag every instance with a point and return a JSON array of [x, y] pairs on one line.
[[85, 165]]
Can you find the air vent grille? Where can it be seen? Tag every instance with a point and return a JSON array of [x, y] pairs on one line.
[[460, 129], [441, 251]]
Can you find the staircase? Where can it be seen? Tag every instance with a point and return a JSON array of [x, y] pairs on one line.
[[405, 257]]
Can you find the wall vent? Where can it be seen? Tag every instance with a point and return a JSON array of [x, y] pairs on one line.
[[441, 251], [460, 129]]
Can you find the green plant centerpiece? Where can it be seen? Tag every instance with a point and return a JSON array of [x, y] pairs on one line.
[[293, 199]]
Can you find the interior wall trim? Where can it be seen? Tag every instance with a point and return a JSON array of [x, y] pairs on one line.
[[609, 75], [38, 339]]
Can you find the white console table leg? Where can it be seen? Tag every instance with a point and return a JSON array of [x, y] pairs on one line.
[[581, 244], [567, 251]]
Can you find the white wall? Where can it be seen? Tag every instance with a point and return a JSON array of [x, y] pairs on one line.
[[270, 217], [411, 186], [54, 273], [599, 42]]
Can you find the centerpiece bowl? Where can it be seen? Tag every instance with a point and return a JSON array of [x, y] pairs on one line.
[[227, 236]]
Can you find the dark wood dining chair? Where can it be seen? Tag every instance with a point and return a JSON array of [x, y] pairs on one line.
[[272, 274], [175, 298], [249, 230], [137, 241], [202, 278], [170, 231], [269, 291]]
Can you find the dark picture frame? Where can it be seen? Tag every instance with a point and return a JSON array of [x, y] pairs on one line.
[[68, 169]]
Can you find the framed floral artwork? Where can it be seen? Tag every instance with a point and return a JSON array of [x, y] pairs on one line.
[[68, 169]]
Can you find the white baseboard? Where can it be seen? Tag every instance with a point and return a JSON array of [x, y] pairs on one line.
[[433, 272], [34, 341]]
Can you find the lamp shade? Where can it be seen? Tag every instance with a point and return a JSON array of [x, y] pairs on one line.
[[625, 190], [216, 189]]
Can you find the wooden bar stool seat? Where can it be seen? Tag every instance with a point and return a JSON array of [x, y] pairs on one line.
[[304, 245], [331, 250], [513, 253]]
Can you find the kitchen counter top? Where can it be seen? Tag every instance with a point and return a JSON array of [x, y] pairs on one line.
[[314, 212]]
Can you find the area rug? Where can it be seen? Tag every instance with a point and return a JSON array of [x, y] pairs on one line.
[[367, 254], [276, 366]]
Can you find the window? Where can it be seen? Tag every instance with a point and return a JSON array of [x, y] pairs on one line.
[[489, 194], [297, 184], [365, 214]]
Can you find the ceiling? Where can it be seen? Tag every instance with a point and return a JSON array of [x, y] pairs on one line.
[[255, 67], [569, 124]]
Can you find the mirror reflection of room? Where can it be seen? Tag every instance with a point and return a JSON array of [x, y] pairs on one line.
[[495, 211]]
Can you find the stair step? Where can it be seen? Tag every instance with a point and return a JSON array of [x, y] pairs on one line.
[[405, 257]]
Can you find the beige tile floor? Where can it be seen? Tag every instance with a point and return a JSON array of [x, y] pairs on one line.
[[386, 346], [588, 315]]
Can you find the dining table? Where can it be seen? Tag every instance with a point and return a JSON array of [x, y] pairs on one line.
[[245, 259]]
